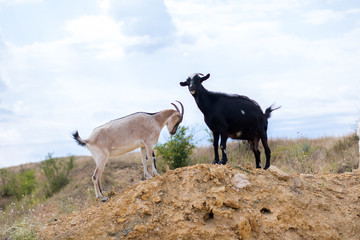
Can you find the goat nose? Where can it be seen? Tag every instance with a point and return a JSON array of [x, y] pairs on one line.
[[192, 89]]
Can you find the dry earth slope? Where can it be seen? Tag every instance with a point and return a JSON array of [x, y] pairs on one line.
[[222, 202]]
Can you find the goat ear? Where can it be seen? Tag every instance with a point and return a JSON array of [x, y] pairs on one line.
[[183, 84], [206, 77]]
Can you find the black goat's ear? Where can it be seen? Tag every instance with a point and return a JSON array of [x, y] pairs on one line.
[[205, 77], [183, 84]]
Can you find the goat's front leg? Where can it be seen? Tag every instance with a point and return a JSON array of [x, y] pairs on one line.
[[216, 147], [224, 138], [154, 170], [144, 159]]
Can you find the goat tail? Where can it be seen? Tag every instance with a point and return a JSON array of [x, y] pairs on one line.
[[78, 139], [269, 110]]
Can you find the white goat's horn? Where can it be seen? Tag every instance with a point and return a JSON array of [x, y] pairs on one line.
[[182, 108], [177, 109]]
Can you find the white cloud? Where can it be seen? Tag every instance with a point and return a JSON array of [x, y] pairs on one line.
[[148, 20], [318, 17], [99, 33]]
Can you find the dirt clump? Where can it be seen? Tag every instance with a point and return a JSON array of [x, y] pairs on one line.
[[222, 202]]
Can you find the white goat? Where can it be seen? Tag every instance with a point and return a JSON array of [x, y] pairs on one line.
[[128, 133]]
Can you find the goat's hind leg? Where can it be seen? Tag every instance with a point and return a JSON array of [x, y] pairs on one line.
[[103, 198], [254, 145], [100, 159], [264, 141], [97, 184], [94, 179]]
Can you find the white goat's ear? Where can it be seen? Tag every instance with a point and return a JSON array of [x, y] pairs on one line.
[[183, 84], [205, 78]]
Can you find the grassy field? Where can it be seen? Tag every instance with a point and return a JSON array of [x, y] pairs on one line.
[[20, 216], [322, 155]]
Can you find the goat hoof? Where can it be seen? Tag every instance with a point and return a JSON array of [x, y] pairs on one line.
[[222, 162], [147, 176], [104, 199], [265, 168], [215, 162]]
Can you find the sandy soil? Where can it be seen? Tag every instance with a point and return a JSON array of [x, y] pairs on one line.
[[222, 202]]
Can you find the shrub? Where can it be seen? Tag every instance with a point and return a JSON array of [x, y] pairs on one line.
[[177, 151], [18, 185], [57, 173], [26, 182], [7, 180]]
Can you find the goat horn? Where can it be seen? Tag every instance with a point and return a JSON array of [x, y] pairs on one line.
[[182, 108], [177, 109]]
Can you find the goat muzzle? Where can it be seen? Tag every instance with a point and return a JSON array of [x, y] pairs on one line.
[[173, 131]]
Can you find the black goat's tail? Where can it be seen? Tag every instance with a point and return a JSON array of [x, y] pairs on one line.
[[78, 139], [269, 110]]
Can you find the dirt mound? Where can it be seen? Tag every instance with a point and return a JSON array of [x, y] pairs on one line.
[[222, 202]]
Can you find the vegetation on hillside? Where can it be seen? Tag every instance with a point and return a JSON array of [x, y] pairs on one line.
[[56, 172], [25, 189]]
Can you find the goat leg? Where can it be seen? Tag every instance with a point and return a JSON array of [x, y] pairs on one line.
[[154, 169], [224, 138], [267, 150], [216, 147]]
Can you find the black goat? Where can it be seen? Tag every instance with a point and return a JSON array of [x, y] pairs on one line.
[[234, 116]]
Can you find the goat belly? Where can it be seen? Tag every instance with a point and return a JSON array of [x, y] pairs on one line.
[[236, 135], [127, 147], [243, 134]]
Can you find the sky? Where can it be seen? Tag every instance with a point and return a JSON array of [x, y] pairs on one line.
[[67, 65]]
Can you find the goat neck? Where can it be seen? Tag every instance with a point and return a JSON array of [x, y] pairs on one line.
[[203, 99], [162, 116]]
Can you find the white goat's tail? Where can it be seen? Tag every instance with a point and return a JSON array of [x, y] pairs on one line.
[[78, 139]]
